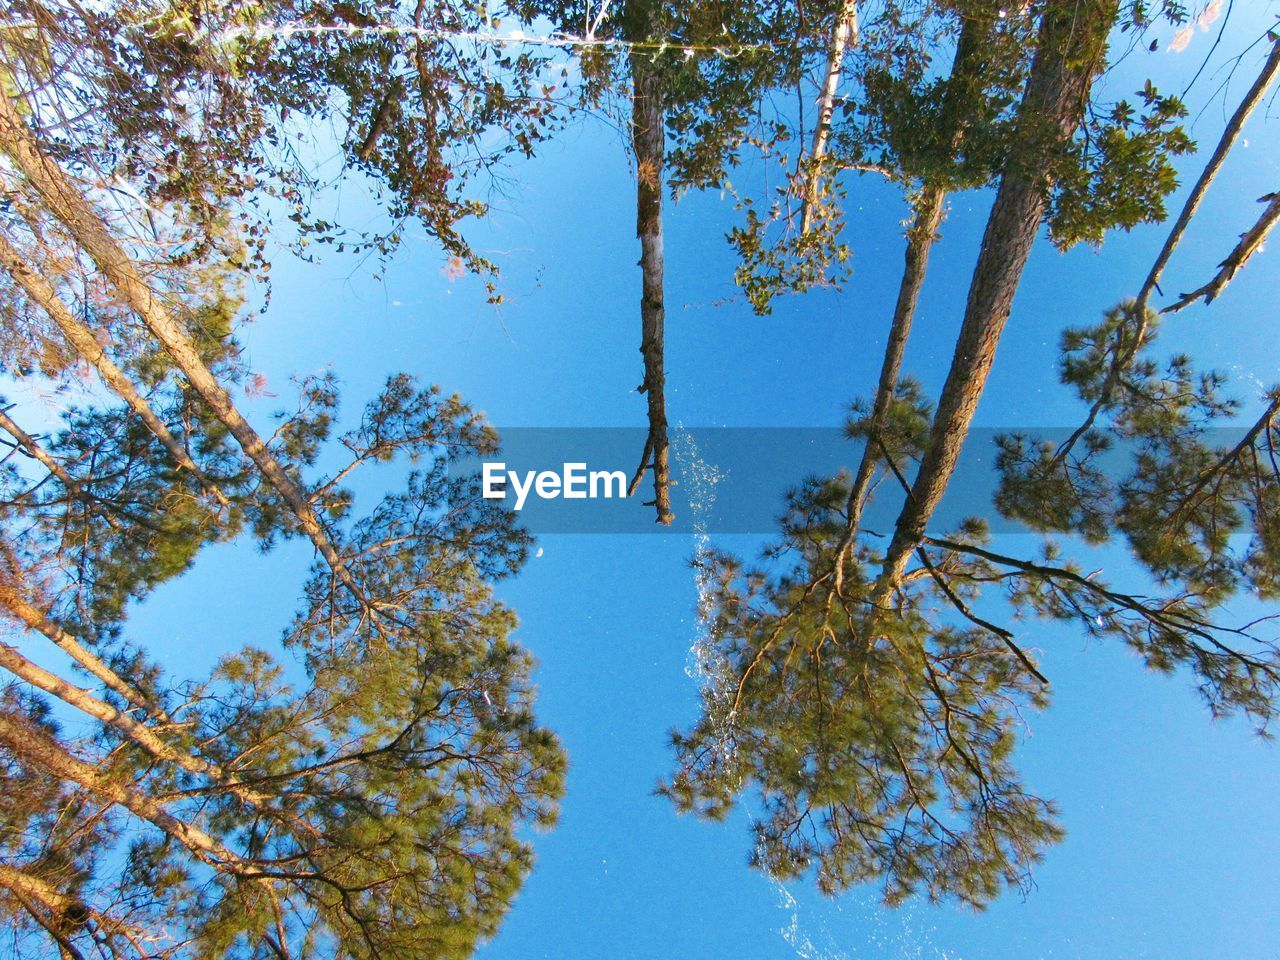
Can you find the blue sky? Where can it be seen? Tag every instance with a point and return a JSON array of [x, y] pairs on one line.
[[1171, 846]]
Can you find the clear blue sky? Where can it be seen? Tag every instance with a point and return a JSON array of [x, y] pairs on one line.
[[1172, 846]]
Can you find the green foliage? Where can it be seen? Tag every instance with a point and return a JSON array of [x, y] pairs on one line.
[[205, 114], [1151, 465], [903, 433], [768, 268], [945, 129], [881, 744], [385, 781], [1119, 170], [134, 520]]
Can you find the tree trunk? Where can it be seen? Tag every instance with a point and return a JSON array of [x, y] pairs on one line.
[[34, 619], [32, 892], [141, 734], [1069, 52], [919, 244], [67, 203], [845, 36], [648, 139], [86, 344], [44, 753], [1251, 242], [1229, 136], [39, 454], [975, 31]]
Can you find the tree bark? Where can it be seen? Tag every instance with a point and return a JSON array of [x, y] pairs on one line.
[[844, 36], [38, 453], [86, 344], [1069, 51], [141, 734], [919, 244], [39, 749], [649, 142], [1229, 136], [35, 619], [32, 893], [974, 32], [1123, 357]]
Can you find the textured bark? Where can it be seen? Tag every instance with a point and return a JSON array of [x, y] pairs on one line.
[[86, 344], [139, 733], [1251, 242], [648, 140], [1069, 51], [12, 878], [844, 36], [35, 619], [70, 206], [974, 32], [43, 752]]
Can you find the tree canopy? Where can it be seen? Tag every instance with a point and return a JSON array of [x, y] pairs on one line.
[[361, 782]]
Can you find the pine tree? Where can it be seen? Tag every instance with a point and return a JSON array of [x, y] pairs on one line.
[[859, 687], [377, 807]]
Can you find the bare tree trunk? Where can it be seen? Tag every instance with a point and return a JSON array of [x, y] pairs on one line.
[[38, 453], [69, 205], [36, 620], [648, 139], [1229, 136], [87, 345], [844, 36], [1069, 51], [1228, 139]]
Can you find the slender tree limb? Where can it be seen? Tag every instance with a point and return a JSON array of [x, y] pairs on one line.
[[1125, 353], [381, 117], [32, 617], [37, 747], [1168, 617], [40, 455], [1262, 423], [844, 36], [1005, 635], [66, 949], [1229, 136], [1250, 243]]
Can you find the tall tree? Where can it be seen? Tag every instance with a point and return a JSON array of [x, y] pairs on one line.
[[1070, 51], [378, 809], [875, 705], [697, 80]]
